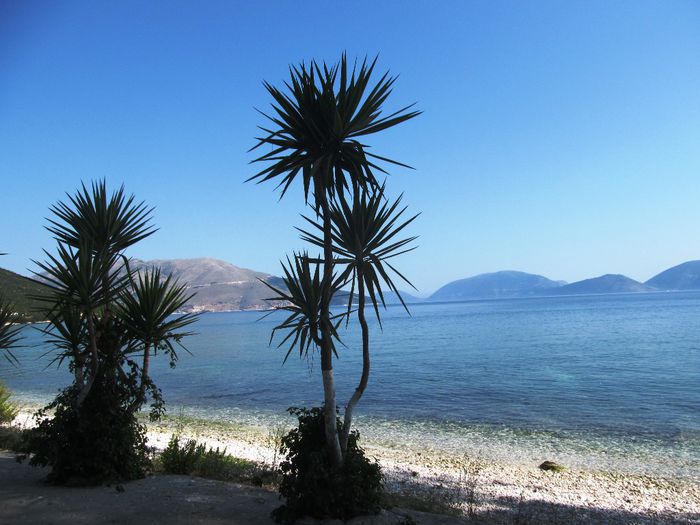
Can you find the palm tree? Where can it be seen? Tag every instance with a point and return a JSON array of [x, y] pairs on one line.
[[146, 314], [102, 317], [316, 131], [364, 239]]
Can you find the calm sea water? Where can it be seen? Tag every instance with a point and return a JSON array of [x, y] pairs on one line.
[[610, 382]]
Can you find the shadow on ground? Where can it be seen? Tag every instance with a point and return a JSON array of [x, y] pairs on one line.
[[161, 499]]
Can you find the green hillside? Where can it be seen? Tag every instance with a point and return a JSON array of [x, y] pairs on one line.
[[18, 290]]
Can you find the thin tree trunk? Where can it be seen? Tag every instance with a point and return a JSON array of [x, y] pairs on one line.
[[355, 399], [332, 438], [85, 389], [141, 396]]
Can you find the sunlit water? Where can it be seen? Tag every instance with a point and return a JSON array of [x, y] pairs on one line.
[[604, 382]]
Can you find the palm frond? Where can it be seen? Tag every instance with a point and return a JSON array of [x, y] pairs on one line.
[[109, 222], [302, 300], [316, 123], [364, 234], [9, 330], [147, 311]]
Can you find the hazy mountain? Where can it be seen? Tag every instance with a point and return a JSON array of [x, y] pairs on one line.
[[608, 283], [391, 298], [685, 276], [18, 290], [217, 285], [495, 285]]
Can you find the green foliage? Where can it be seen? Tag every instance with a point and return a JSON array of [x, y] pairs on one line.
[[8, 410], [317, 126], [21, 292], [178, 459], [192, 458], [98, 442], [13, 438], [317, 133], [9, 331], [309, 483], [364, 240], [106, 322], [303, 300]]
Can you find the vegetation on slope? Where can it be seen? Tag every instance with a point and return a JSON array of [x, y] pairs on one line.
[[20, 292]]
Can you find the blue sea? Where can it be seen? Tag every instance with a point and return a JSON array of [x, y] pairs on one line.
[[602, 382]]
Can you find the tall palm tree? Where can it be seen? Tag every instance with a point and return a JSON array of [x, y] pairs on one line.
[[364, 237], [315, 133]]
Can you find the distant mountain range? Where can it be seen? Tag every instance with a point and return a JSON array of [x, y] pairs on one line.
[[221, 286], [495, 286], [498, 285], [685, 276]]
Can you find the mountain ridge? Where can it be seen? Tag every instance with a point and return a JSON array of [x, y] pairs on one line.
[[218, 285]]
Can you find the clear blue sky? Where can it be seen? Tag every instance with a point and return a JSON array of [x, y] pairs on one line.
[[560, 138]]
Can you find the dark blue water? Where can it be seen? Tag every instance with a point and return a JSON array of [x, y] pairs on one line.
[[613, 378]]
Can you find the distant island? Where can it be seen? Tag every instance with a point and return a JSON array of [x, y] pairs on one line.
[[221, 286]]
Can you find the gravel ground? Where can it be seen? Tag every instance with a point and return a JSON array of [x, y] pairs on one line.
[[493, 492], [489, 491]]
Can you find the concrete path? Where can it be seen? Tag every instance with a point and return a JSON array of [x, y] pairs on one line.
[[178, 500]]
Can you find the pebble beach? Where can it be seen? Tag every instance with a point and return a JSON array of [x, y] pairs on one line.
[[494, 491]]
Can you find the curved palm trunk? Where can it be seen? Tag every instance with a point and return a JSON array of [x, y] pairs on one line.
[[355, 399], [332, 438]]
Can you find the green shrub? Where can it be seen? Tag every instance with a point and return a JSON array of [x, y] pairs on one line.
[[194, 459], [8, 410], [99, 442], [309, 483], [13, 438], [183, 459]]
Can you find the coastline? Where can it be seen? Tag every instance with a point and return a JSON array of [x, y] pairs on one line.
[[501, 489], [495, 490]]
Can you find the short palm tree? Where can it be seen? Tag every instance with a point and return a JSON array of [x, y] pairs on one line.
[[364, 240], [101, 315], [315, 134], [146, 313]]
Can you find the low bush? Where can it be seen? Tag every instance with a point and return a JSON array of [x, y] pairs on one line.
[[99, 442], [309, 483], [13, 438], [192, 458]]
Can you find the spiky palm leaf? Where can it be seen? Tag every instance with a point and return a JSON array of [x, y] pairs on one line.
[[364, 239], [80, 277], [9, 330], [302, 300], [111, 223], [146, 311], [317, 124], [67, 333]]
